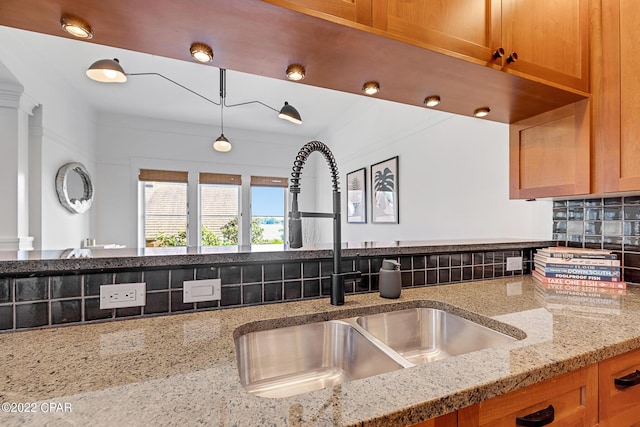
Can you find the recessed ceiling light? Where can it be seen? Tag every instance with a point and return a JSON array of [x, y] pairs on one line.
[[201, 52], [76, 27], [295, 72], [482, 112], [432, 101], [371, 88]]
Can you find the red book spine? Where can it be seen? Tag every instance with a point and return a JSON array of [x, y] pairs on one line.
[[578, 282]]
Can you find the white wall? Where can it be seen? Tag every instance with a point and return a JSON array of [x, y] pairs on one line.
[[64, 132], [453, 175], [127, 144], [453, 170]]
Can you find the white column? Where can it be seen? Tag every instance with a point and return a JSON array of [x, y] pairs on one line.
[[15, 108]]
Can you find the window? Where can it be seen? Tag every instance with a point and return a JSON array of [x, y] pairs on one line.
[[219, 209], [165, 213], [268, 209]]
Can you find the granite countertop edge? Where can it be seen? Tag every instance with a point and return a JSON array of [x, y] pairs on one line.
[[114, 259]]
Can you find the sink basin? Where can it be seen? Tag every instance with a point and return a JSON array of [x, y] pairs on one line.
[[287, 361], [423, 335]]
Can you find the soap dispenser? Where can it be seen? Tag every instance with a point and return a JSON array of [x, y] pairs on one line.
[[390, 280]]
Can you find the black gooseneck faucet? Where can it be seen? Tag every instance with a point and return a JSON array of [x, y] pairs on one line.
[[295, 216]]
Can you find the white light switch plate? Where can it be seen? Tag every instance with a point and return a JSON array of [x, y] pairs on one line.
[[122, 295], [201, 290], [514, 263]]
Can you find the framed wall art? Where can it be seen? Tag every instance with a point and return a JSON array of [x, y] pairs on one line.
[[357, 196], [384, 192]]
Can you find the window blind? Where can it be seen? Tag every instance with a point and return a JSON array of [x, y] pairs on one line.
[[269, 181]]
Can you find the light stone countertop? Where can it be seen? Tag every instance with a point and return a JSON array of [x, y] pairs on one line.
[[181, 369]]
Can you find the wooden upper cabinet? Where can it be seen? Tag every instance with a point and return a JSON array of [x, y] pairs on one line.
[[467, 29], [617, 98], [353, 10], [549, 154], [551, 39]]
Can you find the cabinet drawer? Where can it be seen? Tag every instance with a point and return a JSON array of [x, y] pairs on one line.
[[574, 397], [619, 405]]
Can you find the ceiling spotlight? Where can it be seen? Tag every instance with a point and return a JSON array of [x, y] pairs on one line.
[[107, 71], [432, 101], [222, 144], [76, 27], [295, 72], [482, 112], [201, 52], [371, 88], [287, 112]]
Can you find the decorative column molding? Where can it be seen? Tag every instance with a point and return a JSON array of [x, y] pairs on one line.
[[10, 95], [27, 104]]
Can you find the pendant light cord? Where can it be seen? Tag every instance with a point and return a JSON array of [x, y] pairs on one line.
[[223, 95]]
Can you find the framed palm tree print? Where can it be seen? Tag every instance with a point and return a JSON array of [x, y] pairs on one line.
[[357, 196], [384, 192]]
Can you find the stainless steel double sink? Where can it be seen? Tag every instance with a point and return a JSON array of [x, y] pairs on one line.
[[297, 359]]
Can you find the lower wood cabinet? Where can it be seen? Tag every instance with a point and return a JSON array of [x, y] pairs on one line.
[[573, 398], [604, 395], [447, 420], [620, 390]]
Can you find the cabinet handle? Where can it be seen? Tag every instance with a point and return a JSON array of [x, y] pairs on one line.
[[512, 58], [537, 419], [499, 53], [628, 380]]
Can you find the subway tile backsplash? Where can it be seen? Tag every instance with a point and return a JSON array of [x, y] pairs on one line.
[[42, 300], [602, 223]]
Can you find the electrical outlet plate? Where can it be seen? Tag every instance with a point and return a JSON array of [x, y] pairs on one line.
[[514, 263], [201, 290], [122, 295]]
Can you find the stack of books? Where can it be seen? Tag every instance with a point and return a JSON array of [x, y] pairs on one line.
[[577, 267]]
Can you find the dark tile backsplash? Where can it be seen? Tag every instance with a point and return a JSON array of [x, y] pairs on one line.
[[602, 223], [31, 302]]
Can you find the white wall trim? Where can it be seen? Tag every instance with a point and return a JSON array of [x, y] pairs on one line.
[[16, 243]]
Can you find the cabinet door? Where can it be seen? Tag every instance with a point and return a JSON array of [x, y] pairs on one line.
[[549, 153], [353, 10], [574, 397], [617, 98], [551, 39], [619, 405], [463, 28], [448, 420]]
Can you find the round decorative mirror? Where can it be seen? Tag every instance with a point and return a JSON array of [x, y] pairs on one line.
[[74, 187]]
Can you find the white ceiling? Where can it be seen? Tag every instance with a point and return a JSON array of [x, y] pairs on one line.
[[153, 96]]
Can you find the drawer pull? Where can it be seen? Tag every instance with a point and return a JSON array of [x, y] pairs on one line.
[[628, 380], [537, 419]]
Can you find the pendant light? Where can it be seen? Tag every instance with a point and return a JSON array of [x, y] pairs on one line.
[[110, 71], [222, 144], [107, 71], [289, 113]]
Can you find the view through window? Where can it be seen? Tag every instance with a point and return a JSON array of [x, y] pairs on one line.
[[165, 207], [268, 210], [219, 214]]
